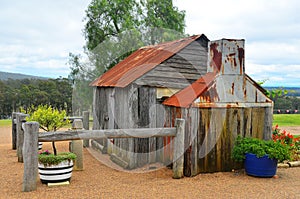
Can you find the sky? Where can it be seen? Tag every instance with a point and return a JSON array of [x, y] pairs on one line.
[[37, 36]]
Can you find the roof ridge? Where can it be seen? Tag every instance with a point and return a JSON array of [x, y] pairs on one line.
[[193, 37]]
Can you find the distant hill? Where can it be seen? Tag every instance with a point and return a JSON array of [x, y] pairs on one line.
[[5, 76]]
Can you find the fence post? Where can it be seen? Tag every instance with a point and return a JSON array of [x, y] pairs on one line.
[[20, 135], [86, 126], [178, 154], [76, 146], [14, 130], [30, 150]]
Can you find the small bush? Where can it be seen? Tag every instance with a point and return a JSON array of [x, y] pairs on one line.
[[51, 159], [275, 150]]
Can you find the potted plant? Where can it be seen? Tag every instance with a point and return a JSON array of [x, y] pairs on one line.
[[260, 156], [53, 167]]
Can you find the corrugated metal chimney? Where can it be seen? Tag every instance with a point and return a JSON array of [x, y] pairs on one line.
[[226, 57]]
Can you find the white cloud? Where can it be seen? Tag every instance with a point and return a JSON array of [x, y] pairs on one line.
[[36, 36], [271, 30], [34, 31]]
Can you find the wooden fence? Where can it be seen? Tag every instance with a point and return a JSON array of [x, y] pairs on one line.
[[31, 137]]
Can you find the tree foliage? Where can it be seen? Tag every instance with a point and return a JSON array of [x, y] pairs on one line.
[[49, 119], [120, 27], [25, 93]]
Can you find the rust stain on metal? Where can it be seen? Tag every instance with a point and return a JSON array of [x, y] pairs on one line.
[[216, 57], [241, 55], [232, 88], [140, 62], [231, 58], [188, 95]]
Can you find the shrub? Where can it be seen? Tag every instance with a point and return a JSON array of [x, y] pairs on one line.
[[275, 150]]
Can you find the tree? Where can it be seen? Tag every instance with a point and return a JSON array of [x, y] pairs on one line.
[[120, 26]]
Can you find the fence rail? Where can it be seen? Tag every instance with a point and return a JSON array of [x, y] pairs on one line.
[[31, 137]]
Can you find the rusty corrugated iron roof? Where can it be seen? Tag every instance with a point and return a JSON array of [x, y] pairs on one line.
[[140, 62], [215, 90], [186, 97]]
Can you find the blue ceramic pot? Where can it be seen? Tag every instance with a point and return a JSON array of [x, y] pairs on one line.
[[260, 167]]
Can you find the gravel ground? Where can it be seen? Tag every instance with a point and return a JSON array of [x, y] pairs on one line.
[[100, 181]]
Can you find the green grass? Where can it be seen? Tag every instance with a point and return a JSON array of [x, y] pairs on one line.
[[5, 123], [280, 119], [286, 119]]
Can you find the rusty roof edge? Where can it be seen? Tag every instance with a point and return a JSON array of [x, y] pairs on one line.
[[189, 40], [206, 78], [192, 38]]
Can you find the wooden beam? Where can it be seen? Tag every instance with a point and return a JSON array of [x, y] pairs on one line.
[[107, 133], [14, 131], [20, 135], [86, 126], [178, 153], [30, 150]]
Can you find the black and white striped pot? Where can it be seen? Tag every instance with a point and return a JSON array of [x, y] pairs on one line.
[[56, 173], [40, 145]]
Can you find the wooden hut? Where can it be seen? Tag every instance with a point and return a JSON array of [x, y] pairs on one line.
[[217, 107], [203, 82], [130, 94]]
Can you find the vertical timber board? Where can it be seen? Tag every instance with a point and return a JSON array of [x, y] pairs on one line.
[[125, 121], [261, 123], [111, 116], [143, 107], [133, 123], [258, 122], [194, 124], [160, 122], [240, 120], [247, 122], [100, 107], [119, 107], [202, 140], [167, 157], [218, 119], [187, 142], [152, 123], [231, 134], [96, 108], [268, 123], [211, 142], [122, 121]]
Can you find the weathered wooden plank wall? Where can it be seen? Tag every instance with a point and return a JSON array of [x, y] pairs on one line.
[[130, 107], [210, 135], [180, 70]]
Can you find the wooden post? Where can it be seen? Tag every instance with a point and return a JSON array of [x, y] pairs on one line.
[[30, 150], [77, 146], [14, 130], [86, 126], [178, 154], [20, 135]]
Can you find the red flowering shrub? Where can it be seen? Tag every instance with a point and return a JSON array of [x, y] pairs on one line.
[[287, 139]]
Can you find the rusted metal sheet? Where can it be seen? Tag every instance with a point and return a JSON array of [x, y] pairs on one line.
[[225, 84], [140, 62], [220, 91], [226, 56], [186, 97]]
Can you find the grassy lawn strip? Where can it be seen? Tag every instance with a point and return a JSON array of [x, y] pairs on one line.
[[5, 123], [286, 119]]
